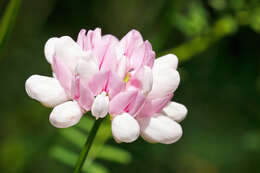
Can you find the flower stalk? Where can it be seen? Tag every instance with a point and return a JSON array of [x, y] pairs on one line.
[[86, 148]]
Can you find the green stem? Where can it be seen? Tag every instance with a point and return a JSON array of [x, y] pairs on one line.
[[7, 22], [85, 150]]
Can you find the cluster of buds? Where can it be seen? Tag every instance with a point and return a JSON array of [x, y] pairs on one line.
[[111, 77]]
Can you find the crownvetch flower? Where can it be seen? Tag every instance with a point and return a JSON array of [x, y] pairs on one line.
[[107, 76]]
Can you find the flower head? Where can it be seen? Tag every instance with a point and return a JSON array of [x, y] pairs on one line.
[[105, 75]]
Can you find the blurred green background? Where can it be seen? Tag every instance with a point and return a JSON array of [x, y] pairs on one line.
[[217, 42]]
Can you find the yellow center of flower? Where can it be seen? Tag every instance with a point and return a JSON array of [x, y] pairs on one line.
[[127, 77]]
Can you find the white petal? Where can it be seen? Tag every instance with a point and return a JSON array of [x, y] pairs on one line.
[[160, 129], [120, 49], [165, 81], [147, 80], [68, 51], [166, 61], [87, 66], [176, 111], [46, 90], [122, 67], [100, 106], [66, 114], [125, 128], [49, 49]]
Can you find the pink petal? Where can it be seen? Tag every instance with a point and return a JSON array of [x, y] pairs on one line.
[[142, 79], [136, 105], [142, 56], [138, 53], [134, 81], [93, 38], [149, 56], [121, 67], [75, 84], [121, 101], [153, 106], [63, 74], [131, 41], [98, 82], [109, 36], [86, 97], [136, 59], [107, 55], [115, 85], [81, 39]]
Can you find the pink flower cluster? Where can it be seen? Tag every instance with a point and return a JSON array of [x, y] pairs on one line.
[[107, 76]]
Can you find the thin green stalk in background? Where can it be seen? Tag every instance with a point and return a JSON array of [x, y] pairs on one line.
[[222, 28], [7, 22], [85, 150]]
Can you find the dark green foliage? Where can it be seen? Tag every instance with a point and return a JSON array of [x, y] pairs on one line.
[[217, 42]]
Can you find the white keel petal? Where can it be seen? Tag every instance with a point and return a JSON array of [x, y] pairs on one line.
[[46, 90], [66, 114], [125, 128], [49, 49], [160, 129], [176, 111], [100, 106], [166, 61], [165, 81]]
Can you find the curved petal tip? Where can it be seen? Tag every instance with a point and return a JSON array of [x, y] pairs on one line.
[[160, 129], [125, 128], [65, 115]]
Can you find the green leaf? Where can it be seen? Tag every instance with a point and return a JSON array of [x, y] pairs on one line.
[[254, 19], [75, 136], [69, 158], [115, 154], [8, 20], [95, 168]]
